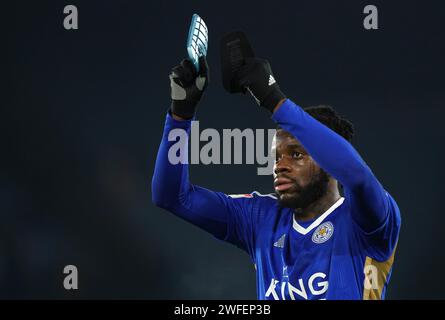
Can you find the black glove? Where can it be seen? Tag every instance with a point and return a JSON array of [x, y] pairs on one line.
[[187, 87], [257, 78]]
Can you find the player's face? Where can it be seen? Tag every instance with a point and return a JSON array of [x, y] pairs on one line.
[[298, 180]]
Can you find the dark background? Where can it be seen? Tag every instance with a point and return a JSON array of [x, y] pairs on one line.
[[82, 114]]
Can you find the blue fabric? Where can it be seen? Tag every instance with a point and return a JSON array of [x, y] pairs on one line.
[[325, 263]]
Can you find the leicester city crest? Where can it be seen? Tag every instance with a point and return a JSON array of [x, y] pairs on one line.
[[323, 232]]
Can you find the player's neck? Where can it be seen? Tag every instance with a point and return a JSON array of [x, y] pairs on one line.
[[317, 208]]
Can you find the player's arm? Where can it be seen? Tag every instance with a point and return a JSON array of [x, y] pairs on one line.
[[339, 158], [372, 207], [224, 217]]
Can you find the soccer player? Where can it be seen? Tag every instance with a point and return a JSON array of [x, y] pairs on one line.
[[308, 240]]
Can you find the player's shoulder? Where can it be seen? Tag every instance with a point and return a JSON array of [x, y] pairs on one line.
[[255, 195], [255, 202], [393, 207]]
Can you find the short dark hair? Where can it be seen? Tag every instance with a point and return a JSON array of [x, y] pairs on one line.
[[330, 118]]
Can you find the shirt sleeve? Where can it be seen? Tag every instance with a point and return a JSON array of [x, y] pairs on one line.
[[373, 211], [227, 218], [381, 242]]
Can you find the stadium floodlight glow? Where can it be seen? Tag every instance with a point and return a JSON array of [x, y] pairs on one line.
[[197, 41]]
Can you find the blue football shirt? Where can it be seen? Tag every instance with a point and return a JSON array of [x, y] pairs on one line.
[[346, 253], [327, 258]]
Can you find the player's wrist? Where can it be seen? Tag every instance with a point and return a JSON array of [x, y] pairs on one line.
[[279, 104], [178, 118], [273, 99], [183, 109]]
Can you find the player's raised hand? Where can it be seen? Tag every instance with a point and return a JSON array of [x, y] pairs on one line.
[[256, 77], [187, 86]]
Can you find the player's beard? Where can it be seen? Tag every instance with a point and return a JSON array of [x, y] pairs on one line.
[[302, 197]]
